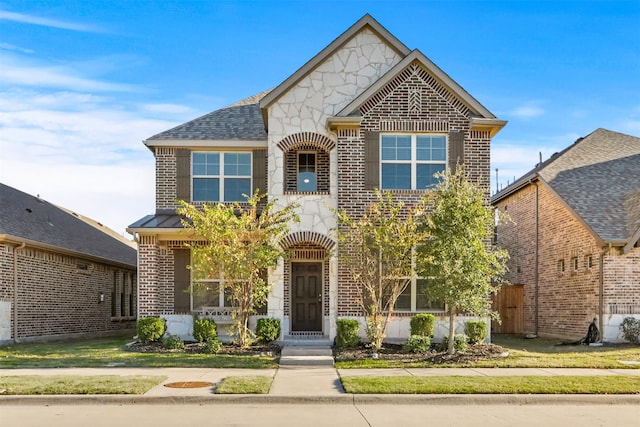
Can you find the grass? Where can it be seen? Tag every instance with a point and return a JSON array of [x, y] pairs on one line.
[[109, 352], [528, 353], [245, 385], [493, 385], [72, 384]]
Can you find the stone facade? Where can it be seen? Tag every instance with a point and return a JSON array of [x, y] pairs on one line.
[[576, 279], [60, 295]]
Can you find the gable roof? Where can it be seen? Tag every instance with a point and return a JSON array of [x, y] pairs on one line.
[[25, 218], [598, 179], [366, 21], [240, 121]]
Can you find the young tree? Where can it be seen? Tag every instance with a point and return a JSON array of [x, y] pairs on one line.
[[460, 267], [237, 242], [376, 249]]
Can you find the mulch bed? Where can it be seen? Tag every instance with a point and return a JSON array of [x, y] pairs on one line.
[[195, 348], [394, 352]]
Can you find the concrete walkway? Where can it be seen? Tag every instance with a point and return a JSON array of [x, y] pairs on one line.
[[301, 384]]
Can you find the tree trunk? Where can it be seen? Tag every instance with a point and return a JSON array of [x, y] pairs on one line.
[[452, 331]]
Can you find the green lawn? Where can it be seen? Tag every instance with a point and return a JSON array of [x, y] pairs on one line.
[[109, 352], [492, 385], [67, 384], [245, 385]]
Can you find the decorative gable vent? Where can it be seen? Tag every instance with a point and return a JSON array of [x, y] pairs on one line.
[[415, 100]]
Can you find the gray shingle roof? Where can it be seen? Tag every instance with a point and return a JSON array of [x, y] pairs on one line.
[[31, 218], [241, 121], [598, 177]]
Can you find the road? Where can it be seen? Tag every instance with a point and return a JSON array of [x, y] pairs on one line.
[[312, 415]]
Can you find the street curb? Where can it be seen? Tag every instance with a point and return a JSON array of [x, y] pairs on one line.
[[342, 399]]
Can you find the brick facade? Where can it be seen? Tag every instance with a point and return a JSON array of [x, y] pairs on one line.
[[59, 295], [567, 300]]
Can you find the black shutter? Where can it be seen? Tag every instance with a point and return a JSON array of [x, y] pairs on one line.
[[181, 281], [371, 160], [260, 171], [183, 174], [456, 149]]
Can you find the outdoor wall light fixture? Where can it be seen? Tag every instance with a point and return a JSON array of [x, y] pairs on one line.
[[101, 297]]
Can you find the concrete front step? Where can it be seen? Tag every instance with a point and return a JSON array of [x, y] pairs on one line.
[[306, 356]]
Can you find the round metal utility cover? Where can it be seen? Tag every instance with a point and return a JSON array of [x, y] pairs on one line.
[[189, 384]]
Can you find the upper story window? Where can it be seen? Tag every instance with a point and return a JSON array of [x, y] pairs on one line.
[[307, 181], [408, 162], [220, 176]]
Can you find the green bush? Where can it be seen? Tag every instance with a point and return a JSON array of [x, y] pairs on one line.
[[268, 329], [459, 342], [212, 346], [347, 333], [173, 342], [417, 344], [476, 331], [423, 324], [631, 329], [151, 329], [204, 329]]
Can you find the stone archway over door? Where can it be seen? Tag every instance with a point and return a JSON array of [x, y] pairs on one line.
[[306, 296]]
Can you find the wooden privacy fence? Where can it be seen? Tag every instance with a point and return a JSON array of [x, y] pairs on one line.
[[509, 302]]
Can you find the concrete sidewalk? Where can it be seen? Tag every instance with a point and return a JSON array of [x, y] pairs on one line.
[[295, 384]]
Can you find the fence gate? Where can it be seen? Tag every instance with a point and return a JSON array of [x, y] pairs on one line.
[[509, 303]]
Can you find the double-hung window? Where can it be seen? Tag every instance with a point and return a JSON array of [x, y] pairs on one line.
[[210, 293], [409, 161], [414, 298], [220, 176]]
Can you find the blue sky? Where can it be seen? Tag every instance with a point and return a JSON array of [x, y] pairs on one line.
[[82, 83]]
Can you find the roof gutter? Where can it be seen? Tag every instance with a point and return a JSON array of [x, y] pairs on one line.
[[18, 240]]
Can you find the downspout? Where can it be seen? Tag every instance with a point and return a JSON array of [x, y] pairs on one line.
[[536, 270], [15, 289], [601, 291]]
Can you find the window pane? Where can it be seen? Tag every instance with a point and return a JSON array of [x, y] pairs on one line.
[[234, 188], [396, 176], [422, 302], [237, 164], [206, 164], [403, 303], [206, 189], [206, 294], [424, 175], [228, 300], [307, 172], [396, 147], [432, 147], [307, 181]]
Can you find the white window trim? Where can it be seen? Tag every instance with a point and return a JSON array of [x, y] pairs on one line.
[[221, 176], [414, 162]]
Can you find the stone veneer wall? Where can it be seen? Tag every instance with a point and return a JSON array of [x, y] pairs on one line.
[[58, 299], [567, 301]]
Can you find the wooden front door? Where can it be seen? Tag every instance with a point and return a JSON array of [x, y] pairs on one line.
[[509, 303], [306, 296]]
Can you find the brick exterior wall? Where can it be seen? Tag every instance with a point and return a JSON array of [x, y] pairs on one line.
[[166, 183], [432, 109], [58, 297], [567, 301]]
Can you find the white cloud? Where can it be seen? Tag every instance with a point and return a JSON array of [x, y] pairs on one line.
[[7, 46], [167, 108], [527, 112], [47, 22]]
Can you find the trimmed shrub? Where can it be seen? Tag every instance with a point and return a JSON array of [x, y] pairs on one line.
[[423, 324], [417, 344], [151, 329], [476, 331], [630, 327], [268, 329], [204, 329], [173, 342], [212, 346], [459, 343], [347, 333]]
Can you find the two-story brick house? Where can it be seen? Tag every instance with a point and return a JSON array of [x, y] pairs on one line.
[[364, 113], [573, 234]]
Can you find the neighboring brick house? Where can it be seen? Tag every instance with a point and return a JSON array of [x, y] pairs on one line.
[[364, 113], [573, 235], [61, 274]]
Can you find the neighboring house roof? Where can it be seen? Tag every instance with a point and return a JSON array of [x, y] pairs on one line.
[[240, 121], [25, 218], [598, 179]]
